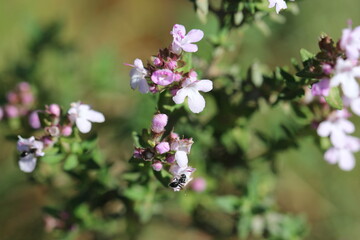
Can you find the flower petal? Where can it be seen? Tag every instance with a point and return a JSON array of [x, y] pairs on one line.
[[194, 35], [94, 116], [83, 125], [346, 160], [331, 155], [181, 158], [27, 163], [350, 88], [180, 96], [196, 102], [355, 106], [324, 129], [144, 86], [204, 85], [189, 47]]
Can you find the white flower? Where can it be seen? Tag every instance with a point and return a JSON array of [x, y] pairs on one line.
[[182, 148], [177, 172], [137, 75], [350, 42], [190, 88], [337, 127], [29, 149], [345, 73], [278, 4], [344, 155], [82, 115]]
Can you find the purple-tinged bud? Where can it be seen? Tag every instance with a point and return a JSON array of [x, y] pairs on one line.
[[12, 98], [157, 166], [11, 111], [157, 61], [138, 152], [170, 158], [159, 122], [162, 147], [327, 69], [153, 89], [54, 109], [172, 64], [54, 131], [47, 140], [174, 135], [174, 91], [148, 155], [27, 98], [198, 184], [34, 120], [193, 74], [24, 87], [66, 131]]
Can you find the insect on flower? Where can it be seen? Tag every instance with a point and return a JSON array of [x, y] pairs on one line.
[[178, 183]]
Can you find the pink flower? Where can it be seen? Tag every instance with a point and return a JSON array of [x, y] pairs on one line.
[[198, 184], [183, 41], [137, 76], [54, 109], [327, 69], [164, 77], [321, 88], [159, 122], [83, 115], [278, 4], [162, 147], [34, 120], [157, 166], [345, 73], [66, 131], [190, 88], [11, 111], [336, 127], [344, 155], [350, 42]]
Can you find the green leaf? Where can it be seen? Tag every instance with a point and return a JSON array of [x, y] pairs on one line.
[[228, 203], [334, 98], [306, 55], [256, 74], [71, 162], [135, 192], [162, 177], [52, 159], [202, 9]]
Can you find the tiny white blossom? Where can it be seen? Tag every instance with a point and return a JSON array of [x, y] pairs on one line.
[[345, 73], [182, 148], [137, 76], [82, 115], [190, 88], [29, 149], [278, 4]]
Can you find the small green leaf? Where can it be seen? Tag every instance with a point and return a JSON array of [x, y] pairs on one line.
[[162, 177], [306, 55], [334, 98], [135, 192], [52, 158], [71, 162]]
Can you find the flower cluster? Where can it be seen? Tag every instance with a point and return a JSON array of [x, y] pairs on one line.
[[170, 151], [18, 101], [166, 71], [55, 126], [338, 65]]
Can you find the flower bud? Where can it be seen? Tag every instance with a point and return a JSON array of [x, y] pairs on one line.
[[162, 147], [198, 184], [24, 86], [1, 113], [12, 98], [157, 61], [159, 122], [157, 166], [54, 131], [327, 69], [27, 98], [170, 158], [66, 131], [172, 64], [34, 120], [54, 109], [47, 140], [11, 111]]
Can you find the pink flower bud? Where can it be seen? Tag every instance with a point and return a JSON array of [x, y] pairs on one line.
[[170, 158], [138, 153], [159, 122], [11, 111], [47, 140], [153, 89], [12, 98], [54, 109], [24, 86], [172, 64], [34, 120], [198, 185], [174, 135], [1, 113], [157, 61], [54, 131], [162, 147], [66, 131], [174, 91], [327, 69], [157, 166], [27, 98]]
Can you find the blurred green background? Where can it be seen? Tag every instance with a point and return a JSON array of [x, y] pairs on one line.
[[98, 36]]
